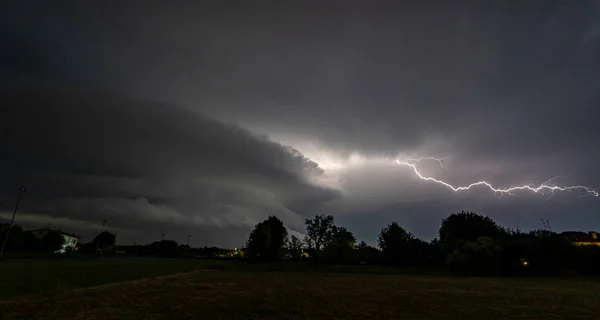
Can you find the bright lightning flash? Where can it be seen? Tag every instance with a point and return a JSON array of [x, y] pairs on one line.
[[547, 186]]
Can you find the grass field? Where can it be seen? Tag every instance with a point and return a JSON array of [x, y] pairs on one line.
[[21, 277], [26, 277], [236, 293]]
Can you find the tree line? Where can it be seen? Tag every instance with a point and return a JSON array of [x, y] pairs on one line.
[[20, 240], [467, 244]]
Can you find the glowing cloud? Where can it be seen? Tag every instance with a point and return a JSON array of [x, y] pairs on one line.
[[336, 165]]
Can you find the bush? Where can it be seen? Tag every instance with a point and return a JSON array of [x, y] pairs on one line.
[[480, 257]]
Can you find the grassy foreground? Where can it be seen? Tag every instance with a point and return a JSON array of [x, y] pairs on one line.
[[226, 294], [28, 276]]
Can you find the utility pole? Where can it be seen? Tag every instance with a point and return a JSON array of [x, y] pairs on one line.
[[21, 191], [546, 224]]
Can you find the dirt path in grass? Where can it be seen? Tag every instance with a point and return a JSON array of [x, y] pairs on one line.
[[30, 298]]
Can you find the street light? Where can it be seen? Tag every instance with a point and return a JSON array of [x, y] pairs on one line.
[[22, 190]]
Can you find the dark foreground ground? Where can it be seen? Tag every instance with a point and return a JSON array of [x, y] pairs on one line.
[[231, 293], [28, 276]]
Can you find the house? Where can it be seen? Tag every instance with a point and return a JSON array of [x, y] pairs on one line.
[[70, 243], [582, 238]]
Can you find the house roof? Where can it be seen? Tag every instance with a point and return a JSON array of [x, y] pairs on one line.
[[579, 236]]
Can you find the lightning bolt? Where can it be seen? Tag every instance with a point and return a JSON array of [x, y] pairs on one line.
[[419, 159], [547, 186]]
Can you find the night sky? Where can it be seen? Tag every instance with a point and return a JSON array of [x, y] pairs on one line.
[[190, 118]]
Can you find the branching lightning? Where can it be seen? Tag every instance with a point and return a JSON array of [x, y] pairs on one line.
[[547, 186]]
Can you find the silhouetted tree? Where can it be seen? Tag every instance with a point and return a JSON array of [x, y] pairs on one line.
[[168, 248], [31, 243], [15, 237], [88, 248], [294, 246], [105, 238], [319, 231], [184, 250], [398, 246], [267, 239], [459, 228], [163, 248], [340, 248], [367, 254], [480, 257], [343, 236], [52, 241], [436, 256], [587, 259], [548, 253], [105, 242]]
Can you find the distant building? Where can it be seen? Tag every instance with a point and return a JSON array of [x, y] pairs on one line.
[[582, 238], [71, 240]]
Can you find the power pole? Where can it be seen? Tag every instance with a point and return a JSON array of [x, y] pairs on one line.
[[546, 224], [22, 190]]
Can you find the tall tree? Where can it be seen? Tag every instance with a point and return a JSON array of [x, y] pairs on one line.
[[53, 241], [343, 236], [393, 241], [15, 237], [401, 247], [367, 254], [340, 248], [319, 231], [267, 239], [105, 242], [294, 246], [104, 239], [459, 228]]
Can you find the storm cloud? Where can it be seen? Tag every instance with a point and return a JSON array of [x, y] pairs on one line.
[[90, 157], [173, 116]]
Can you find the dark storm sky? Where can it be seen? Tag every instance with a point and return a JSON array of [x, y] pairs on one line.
[[186, 118]]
